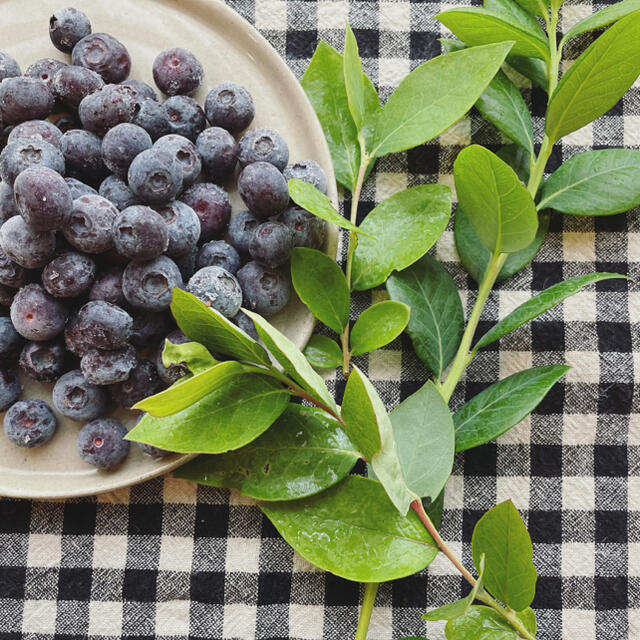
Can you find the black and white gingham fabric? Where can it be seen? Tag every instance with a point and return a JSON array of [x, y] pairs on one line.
[[167, 559]]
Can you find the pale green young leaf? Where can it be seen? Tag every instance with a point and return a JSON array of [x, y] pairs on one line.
[[595, 183], [596, 80], [501, 537], [479, 623], [404, 227], [323, 352], [602, 18], [192, 355], [378, 325], [449, 45], [302, 453], [354, 531], [503, 405], [528, 619], [353, 78], [517, 13], [535, 7]]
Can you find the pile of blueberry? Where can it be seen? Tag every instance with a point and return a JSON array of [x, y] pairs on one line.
[[107, 206]]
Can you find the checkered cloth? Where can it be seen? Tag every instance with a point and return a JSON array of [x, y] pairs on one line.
[[169, 559]]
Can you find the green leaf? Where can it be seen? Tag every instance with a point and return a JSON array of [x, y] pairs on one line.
[[228, 418], [535, 7], [353, 78], [368, 426], [423, 431], [480, 623], [415, 113], [477, 26], [191, 354], [500, 535], [321, 285], [405, 227], [596, 80], [531, 68], [595, 183], [540, 303], [292, 360], [378, 325], [518, 159], [449, 45], [302, 453], [210, 328], [503, 405], [602, 18], [354, 531], [323, 353], [516, 12], [528, 619], [499, 207]]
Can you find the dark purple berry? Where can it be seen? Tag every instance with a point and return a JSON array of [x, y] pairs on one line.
[[117, 191], [155, 176], [79, 188], [187, 263], [22, 154], [241, 230], [271, 244], [108, 286], [74, 337], [263, 145], [122, 144], [36, 130], [186, 153], [263, 189], [148, 328], [36, 315], [183, 226], [219, 152], [308, 230], [266, 291], [307, 171], [10, 341], [89, 226], [229, 106], [143, 381], [149, 285], [29, 248], [9, 68], [75, 398], [140, 90], [43, 198], [139, 233], [8, 207], [212, 206], [10, 388], [101, 443], [69, 275], [152, 117], [30, 423], [106, 108], [103, 54], [218, 289], [245, 323], [67, 27], [108, 367], [24, 99], [72, 84], [82, 152], [186, 116], [177, 71], [67, 121], [218, 253], [11, 273], [104, 325], [44, 361], [173, 373], [45, 69]]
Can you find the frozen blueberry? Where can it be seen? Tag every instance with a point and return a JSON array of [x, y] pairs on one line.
[[241, 230], [170, 375], [152, 117], [44, 361], [149, 285], [24, 99], [155, 176], [177, 71], [75, 339], [106, 108], [187, 263], [307, 171], [79, 188], [218, 289], [218, 253], [263, 145], [36, 315], [72, 84], [140, 90], [10, 388], [82, 152], [9, 68], [246, 324], [43, 198], [183, 226], [67, 121], [108, 286], [36, 130], [219, 152], [212, 206], [271, 243], [117, 191], [11, 273], [75, 398], [186, 116], [22, 154], [186, 153], [143, 381], [69, 275], [45, 69], [308, 230], [266, 291], [103, 54], [139, 233], [89, 226], [263, 189], [101, 443], [29, 248], [8, 207], [67, 27], [108, 367], [10, 341], [104, 325], [229, 106], [122, 144], [30, 423], [148, 328]]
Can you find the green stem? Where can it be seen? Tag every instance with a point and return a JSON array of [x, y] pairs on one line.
[[537, 170], [554, 62], [370, 590]]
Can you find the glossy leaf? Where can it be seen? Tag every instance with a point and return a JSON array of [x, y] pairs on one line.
[[378, 325], [322, 286], [192, 355], [354, 531], [532, 68], [210, 328], [353, 78], [517, 13], [499, 207], [228, 418], [480, 623], [302, 453], [503, 405], [368, 426], [415, 113], [323, 352], [501, 537], [540, 303], [602, 18], [595, 183], [596, 80], [403, 228], [518, 159]]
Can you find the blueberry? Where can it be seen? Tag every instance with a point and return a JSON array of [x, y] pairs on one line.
[[107, 107], [219, 152], [143, 381], [103, 54], [241, 230], [8, 207], [229, 106], [10, 388], [218, 253], [103, 325], [72, 84], [186, 116], [24, 99], [187, 263], [170, 375], [22, 154], [155, 176], [149, 285], [11, 273], [263, 145], [30, 423], [67, 121], [75, 339], [79, 188], [263, 189], [36, 315], [9, 68], [212, 206], [89, 226], [308, 230], [246, 324], [75, 398], [45, 69], [29, 248], [271, 243], [139, 233], [140, 90], [10, 341], [218, 289], [108, 286], [186, 153], [154, 452], [266, 291], [177, 71], [69, 275], [148, 328], [101, 443], [36, 130], [152, 117], [43, 198], [108, 367], [122, 144], [307, 171], [117, 191], [44, 361], [82, 152], [183, 226], [67, 27]]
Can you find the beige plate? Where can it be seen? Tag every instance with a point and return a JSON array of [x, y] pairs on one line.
[[230, 49]]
